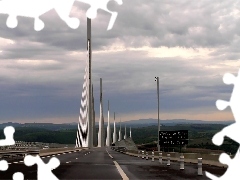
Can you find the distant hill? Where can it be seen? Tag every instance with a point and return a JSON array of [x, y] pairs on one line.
[[171, 122], [132, 123]]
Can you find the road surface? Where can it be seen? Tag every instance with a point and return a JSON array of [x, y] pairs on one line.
[[102, 163]]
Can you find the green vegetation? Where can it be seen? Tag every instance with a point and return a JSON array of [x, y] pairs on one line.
[[200, 136]]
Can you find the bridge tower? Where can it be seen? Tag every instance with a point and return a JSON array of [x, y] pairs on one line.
[[101, 131], [108, 140], [86, 124], [114, 131]]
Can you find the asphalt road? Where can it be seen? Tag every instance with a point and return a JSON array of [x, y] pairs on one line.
[[99, 163]]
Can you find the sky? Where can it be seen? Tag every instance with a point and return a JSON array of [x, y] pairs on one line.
[[188, 44]]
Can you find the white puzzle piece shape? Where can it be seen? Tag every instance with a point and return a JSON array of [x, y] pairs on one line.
[[101, 4], [232, 172], [232, 131], [36, 8], [8, 132], [3, 165], [44, 171]]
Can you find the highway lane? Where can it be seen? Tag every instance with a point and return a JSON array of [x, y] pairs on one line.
[[138, 168], [86, 164], [99, 163]]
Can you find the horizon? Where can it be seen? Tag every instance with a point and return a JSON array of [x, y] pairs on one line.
[[111, 122]]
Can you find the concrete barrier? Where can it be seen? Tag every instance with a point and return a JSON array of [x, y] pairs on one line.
[[181, 162], [153, 156], [200, 166], [207, 159], [168, 159], [50, 151]]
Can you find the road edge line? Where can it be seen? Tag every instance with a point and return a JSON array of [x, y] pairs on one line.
[[121, 172]]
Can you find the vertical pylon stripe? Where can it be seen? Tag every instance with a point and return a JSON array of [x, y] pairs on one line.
[[82, 132]]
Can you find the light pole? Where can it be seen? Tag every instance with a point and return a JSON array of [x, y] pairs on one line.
[[157, 79]]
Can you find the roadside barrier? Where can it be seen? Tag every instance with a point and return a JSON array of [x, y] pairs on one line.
[[181, 162], [168, 159], [160, 158], [200, 166], [153, 156]]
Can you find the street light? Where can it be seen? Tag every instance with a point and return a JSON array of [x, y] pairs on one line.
[[157, 79]]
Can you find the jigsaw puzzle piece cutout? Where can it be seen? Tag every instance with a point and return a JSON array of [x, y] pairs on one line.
[[8, 132], [44, 170], [64, 9], [229, 131], [221, 105], [101, 4], [18, 176], [34, 9], [234, 100], [233, 167], [3, 165]]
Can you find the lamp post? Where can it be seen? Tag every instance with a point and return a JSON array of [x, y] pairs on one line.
[[157, 79]]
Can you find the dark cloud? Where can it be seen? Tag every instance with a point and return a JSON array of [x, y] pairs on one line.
[[42, 72]]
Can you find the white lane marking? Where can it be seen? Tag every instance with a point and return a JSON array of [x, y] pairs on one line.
[[76, 158], [48, 156], [9, 163], [15, 162], [109, 155], [64, 153], [68, 162], [53, 155], [20, 161], [43, 157], [121, 172], [69, 152], [58, 154]]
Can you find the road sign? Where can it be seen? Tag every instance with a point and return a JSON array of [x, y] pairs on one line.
[[173, 138]]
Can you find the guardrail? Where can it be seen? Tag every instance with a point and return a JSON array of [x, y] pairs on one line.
[[207, 159], [11, 154]]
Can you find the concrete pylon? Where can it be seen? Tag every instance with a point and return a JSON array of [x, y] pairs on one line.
[[114, 131], [85, 125], [130, 135], [120, 132], [101, 120], [94, 124], [108, 142], [125, 135]]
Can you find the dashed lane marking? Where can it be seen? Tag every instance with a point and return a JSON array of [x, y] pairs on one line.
[[109, 155]]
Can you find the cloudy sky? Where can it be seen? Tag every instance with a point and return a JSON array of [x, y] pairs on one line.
[[189, 44]]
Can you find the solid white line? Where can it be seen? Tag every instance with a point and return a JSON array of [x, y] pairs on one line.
[[15, 162], [43, 157], [124, 176]]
